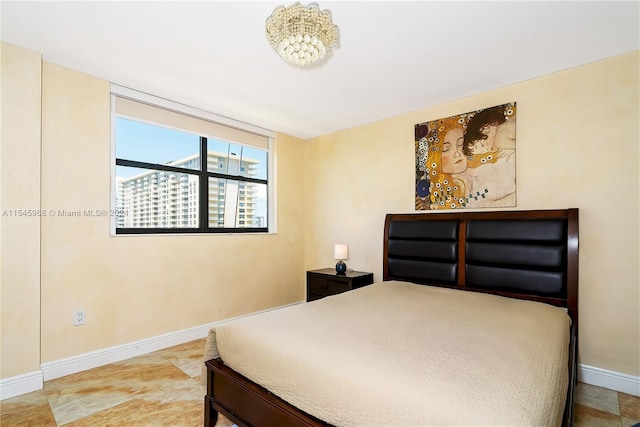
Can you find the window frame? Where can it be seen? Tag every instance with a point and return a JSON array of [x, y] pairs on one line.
[[203, 174]]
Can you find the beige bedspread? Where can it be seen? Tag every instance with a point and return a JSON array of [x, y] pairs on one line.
[[396, 353]]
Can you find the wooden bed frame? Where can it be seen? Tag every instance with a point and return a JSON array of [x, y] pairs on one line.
[[529, 255]]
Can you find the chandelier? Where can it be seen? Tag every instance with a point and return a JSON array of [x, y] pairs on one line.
[[300, 34]]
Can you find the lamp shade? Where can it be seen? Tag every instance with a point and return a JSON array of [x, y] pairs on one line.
[[341, 251]]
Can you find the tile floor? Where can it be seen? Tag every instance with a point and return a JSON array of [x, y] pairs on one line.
[[162, 389]]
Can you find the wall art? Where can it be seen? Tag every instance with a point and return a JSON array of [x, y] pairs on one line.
[[467, 161]]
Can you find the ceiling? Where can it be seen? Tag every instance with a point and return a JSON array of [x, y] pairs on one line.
[[392, 58]]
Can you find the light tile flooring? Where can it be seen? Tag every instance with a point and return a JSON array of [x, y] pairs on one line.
[[162, 389]]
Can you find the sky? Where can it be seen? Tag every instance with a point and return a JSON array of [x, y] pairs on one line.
[[156, 144]]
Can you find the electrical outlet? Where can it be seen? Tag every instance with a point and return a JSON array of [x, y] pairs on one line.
[[79, 318]]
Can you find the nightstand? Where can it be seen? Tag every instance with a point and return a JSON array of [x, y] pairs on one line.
[[325, 282]]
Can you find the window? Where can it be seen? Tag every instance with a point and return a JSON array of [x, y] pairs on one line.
[[180, 173]]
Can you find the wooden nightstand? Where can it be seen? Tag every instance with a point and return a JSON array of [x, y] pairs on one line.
[[325, 282]]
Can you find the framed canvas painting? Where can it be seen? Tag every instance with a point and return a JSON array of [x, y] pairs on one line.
[[467, 160]]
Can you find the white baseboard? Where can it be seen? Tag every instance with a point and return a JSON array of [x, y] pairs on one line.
[[609, 379], [20, 384], [82, 362], [71, 365], [26, 383]]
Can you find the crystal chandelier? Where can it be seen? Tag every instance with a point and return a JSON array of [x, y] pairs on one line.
[[300, 34]]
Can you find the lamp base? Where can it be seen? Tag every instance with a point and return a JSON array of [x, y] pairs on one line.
[[341, 267]]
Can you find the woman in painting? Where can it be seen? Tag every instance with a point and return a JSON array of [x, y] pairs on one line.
[[489, 144], [441, 163]]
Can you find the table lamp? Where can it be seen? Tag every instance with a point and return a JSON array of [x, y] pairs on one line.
[[341, 252]]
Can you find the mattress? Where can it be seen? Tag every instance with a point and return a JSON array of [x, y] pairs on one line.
[[396, 353]]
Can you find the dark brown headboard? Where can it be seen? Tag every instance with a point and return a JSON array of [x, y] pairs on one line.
[[519, 254]]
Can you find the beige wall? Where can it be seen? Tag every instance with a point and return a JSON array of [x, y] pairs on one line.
[[135, 287], [19, 234], [131, 287], [577, 146]]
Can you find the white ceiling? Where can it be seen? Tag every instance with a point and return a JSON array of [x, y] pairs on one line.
[[393, 57]]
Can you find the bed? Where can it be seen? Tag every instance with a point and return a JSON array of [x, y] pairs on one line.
[[474, 322]]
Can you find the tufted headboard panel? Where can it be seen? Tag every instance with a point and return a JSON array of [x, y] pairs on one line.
[[424, 250], [527, 256]]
